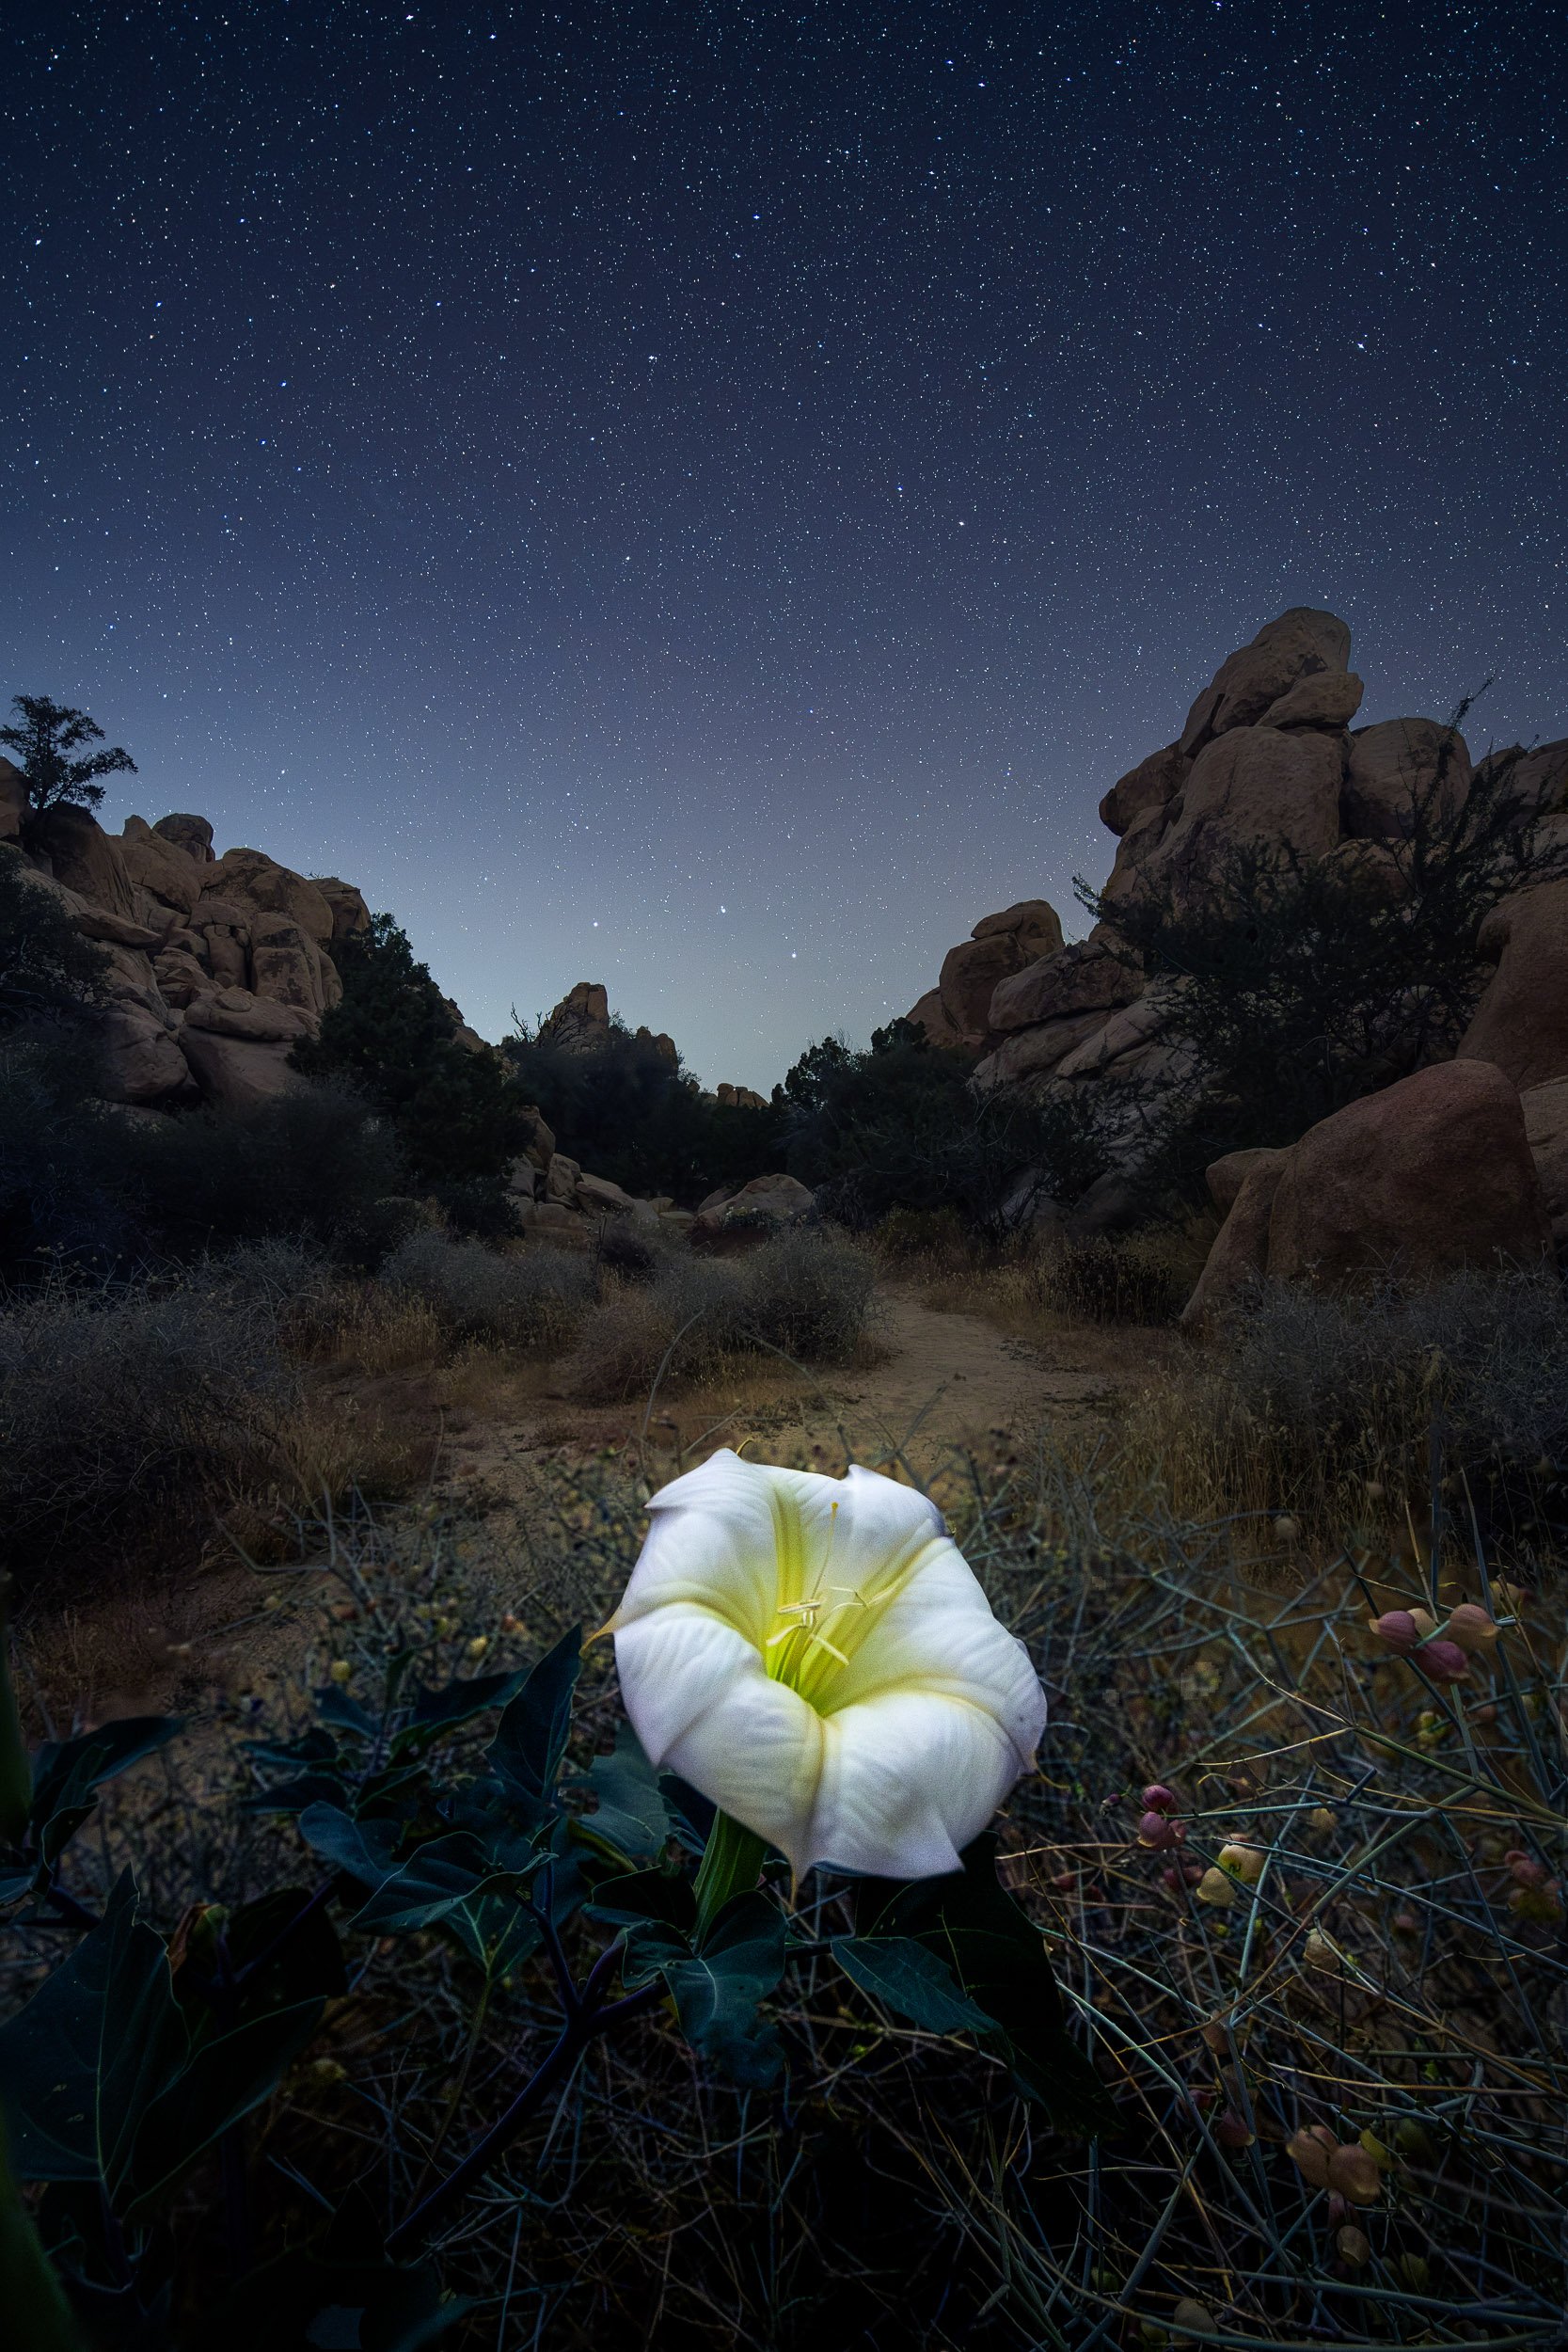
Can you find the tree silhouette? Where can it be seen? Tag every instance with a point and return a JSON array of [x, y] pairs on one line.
[[44, 736]]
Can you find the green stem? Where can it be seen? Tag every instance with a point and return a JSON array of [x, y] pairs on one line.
[[731, 1865]]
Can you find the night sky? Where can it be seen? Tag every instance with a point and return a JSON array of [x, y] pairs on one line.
[[707, 497]]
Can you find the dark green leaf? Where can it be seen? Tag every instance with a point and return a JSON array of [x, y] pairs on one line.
[[14, 1883], [333, 1706], [66, 1773], [296, 1947], [717, 1990], [454, 1703], [366, 1851], [645, 1896], [222, 2080], [451, 1882], [909, 1977], [998, 1957], [98, 2040], [294, 1796], [530, 1738], [632, 1820]]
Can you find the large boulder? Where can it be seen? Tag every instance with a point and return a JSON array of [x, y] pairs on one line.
[[236, 1073], [763, 1207], [1392, 766], [998, 946], [580, 1023], [1299, 645], [164, 872], [1254, 785], [140, 1061], [288, 967], [1149, 786], [1427, 1175], [193, 835], [350, 913], [1545, 1109], [236, 1012], [1240, 1253], [1328, 698], [260, 885], [84, 857], [1036, 1052], [928, 1015], [1533, 781], [1521, 1023], [1088, 977]]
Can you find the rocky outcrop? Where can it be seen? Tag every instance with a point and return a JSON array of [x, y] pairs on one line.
[[736, 1216], [1434, 1174], [581, 1024], [1521, 1021], [739, 1098]]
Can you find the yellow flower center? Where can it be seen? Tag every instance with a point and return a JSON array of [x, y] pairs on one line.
[[818, 1622]]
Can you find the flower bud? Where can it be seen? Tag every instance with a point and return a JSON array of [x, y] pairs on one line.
[[1524, 1869], [1157, 1798], [340, 1670], [1397, 1630], [1445, 1662], [1471, 1627], [1287, 1529], [1156, 1831], [1233, 2130]]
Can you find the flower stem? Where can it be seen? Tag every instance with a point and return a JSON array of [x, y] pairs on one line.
[[731, 1865]]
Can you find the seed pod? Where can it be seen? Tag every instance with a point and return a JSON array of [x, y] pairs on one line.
[[1445, 1662], [1355, 2175], [1217, 1889], [1309, 2152], [1157, 1798], [1244, 1862], [1233, 2130], [1354, 2246], [1191, 2313], [1287, 1529], [1397, 1630], [1156, 1831], [1471, 1627]]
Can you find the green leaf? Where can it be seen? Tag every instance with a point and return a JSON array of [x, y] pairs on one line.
[[997, 1955], [66, 1773], [221, 2080], [530, 1738], [454, 1703], [908, 1976], [37, 2314], [102, 2082], [645, 1897], [365, 1851], [717, 1990], [632, 1820], [453, 1885], [335, 1706]]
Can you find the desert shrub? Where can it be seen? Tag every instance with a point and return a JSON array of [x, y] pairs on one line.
[[1481, 1358], [316, 1162], [807, 1293], [529, 1298], [624, 1109], [936, 1234], [66, 1190], [1145, 1276], [901, 1126], [685, 1322], [458, 1119], [125, 1410], [628, 1248]]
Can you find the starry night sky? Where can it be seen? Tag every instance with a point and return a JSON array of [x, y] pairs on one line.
[[708, 497]]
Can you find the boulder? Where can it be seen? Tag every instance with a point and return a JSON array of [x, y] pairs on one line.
[[740, 1098], [580, 1023], [238, 1073], [659, 1042], [1427, 1175], [1239, 1255], [258, 883], [193, 835], [1088, 977], [561, 1179], [1145, 789], [227, 942], [181, 976], [13, 800], [236, 1012], [598, 1197], [1254, 785], [141, 1062], [523, 1180], [1034, 1053], [1545, 1109], [288, 967], [999, 945], [350, 913], [1299, 645], [1391, 765], [1521, 1023], [1132, 1027], [1327, 698], [928, 1015], [764, 1206], [157, 865], [1224, 1177], [1535, 781], [83, 856]]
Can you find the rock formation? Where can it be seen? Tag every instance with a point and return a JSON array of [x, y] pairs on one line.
[[580, 1024], [1267, 756]]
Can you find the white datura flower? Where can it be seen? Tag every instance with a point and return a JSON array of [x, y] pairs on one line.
[[817, 1658]]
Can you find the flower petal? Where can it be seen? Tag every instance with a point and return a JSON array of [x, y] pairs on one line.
[[703, 1706], [908, 1779], [939, 1635]]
